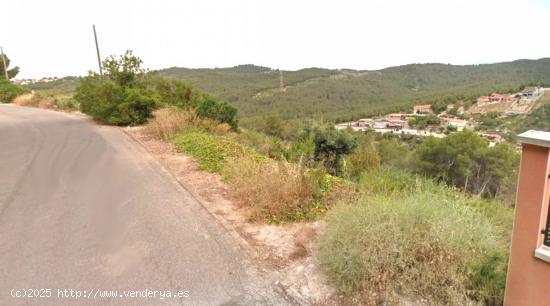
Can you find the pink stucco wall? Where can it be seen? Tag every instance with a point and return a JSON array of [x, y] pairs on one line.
[[528, 279]]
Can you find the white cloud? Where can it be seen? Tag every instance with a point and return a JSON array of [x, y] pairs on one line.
[[55, 37]]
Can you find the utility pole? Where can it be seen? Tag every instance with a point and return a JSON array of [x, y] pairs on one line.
[[281, 81], [97, 49], [4, 64]]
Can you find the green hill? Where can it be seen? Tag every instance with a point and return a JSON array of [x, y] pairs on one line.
[[348, 94]]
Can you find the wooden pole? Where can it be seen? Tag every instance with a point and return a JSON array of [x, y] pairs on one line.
[[97, 50], [4, 64]]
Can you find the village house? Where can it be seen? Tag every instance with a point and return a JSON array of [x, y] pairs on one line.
[[494, 98], [531, 91], [493, 138], [396, 124], [497, 98], [367, 123], [457, 123], [395, 116], [422, 109], [381, 124], [483, 100]]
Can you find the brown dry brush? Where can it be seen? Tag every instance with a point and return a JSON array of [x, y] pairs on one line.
[[269, 189], [168, 121]]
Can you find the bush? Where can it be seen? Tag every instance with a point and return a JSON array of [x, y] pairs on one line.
[[421, 244], [210, 151], [9, 91], [269, 146], [275, 192], [409, 237], [172, 92], [364, 158], [110, 103], [167, 122], [67, 103], [120, 97], [220, 111]]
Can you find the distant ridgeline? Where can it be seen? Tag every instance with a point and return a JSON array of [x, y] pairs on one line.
[[348, 94], [340, 95]]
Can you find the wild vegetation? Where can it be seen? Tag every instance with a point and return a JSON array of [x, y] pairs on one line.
[[127, 95], [406, 217], [10, 91], [408, 237], [341, 95]]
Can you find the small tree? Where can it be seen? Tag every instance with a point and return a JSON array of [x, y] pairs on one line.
[[221, 111], [330, 146], [120, 97]]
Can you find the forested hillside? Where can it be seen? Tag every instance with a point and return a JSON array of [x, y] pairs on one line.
[[347, 94]]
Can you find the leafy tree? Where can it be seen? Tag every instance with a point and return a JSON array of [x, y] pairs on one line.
[[125, 70], [465, 160], [11, 72], [221, 111], [173, 92], [393, 153], [120, 97], [330, 146]]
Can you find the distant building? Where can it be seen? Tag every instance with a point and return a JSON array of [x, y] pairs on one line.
[[458, 124], [396, 124], [497, 98], [395, 116], [423, 109], [531, 92], [381, 124], [493, 138], [483, 100], [367, 123]]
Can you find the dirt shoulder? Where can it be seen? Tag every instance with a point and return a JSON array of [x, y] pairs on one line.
[[283, 251]]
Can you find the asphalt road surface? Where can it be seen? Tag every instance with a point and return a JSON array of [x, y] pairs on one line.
[[84, 207]]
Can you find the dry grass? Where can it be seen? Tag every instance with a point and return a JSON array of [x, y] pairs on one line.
[[34, 100], [408, 236], [274, 191], [169, 121], [26, 100]]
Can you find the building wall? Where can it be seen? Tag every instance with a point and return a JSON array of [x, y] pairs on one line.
[[528, 278]]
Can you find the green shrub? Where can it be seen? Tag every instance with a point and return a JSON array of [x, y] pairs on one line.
[[364, 158], [9, 91], [209, 150], [173, 92], [110, 103], [410, 237], [67, 103], [120, 97], [330, 146], [220, 111], [270, 146], [424, 244]]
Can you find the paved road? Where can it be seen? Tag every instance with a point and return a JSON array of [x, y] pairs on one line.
[[83, 207]]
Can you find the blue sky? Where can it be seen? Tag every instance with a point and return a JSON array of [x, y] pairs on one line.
[[54, 38]]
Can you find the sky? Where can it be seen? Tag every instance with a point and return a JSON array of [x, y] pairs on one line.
[[55, 38]]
